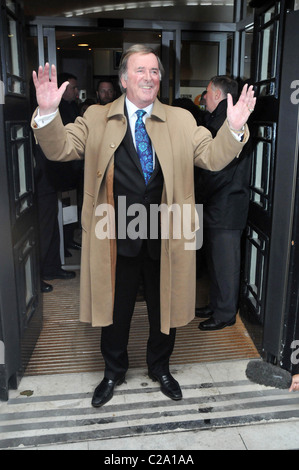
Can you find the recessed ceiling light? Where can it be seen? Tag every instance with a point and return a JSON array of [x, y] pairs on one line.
[[83, 45]]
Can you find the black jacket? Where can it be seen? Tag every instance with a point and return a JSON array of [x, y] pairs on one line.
[[224, 194], [129, 188]]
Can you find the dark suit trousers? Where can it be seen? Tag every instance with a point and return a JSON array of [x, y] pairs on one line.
[[222, 252], [114, 340], [49, 234]]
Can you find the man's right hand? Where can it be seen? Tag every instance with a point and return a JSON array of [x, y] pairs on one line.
[[48, 95]]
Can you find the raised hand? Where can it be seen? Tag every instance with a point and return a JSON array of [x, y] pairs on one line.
[[238, 114], [48, 95]]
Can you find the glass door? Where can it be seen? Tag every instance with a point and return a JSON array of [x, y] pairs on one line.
[[260, 236], [21, 304]]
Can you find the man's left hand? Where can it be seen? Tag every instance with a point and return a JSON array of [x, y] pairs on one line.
[[238, 114]]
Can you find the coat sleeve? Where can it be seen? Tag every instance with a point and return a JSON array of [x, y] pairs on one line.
[[59, 142], [215, 154]]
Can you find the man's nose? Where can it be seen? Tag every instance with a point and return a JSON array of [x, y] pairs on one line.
[[147, 75]]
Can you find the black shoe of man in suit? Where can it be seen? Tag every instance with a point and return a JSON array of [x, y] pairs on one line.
[[169, 386], [104, 391], [212, 324]]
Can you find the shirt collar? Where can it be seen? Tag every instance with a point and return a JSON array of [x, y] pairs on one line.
[[132, 108]]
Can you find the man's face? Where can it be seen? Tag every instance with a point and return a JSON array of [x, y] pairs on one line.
[[71, 92], [105, 93], [143, 79], [212, 98]]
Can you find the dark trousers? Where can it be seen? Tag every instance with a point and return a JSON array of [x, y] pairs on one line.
[[49, 234], [114, 340], [222, 253]]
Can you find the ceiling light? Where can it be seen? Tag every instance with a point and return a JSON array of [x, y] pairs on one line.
[[83, 44]]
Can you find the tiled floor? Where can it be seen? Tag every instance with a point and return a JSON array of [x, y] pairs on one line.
[[221, 409]]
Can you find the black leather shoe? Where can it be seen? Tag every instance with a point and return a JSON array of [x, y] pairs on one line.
[[203, 312], [169, 386], [212, 324], [44, 287], [60, 274], [104, 391]]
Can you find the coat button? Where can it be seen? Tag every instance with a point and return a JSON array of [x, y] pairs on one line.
[[112, 145], [99, 174]]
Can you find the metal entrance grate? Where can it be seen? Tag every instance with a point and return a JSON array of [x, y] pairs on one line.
[[66, 345]]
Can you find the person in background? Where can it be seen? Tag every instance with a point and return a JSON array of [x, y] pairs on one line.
[[69, 176], [225, 198], [105, 92]]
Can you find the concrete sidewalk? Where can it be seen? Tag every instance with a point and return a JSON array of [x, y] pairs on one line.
[[221, 410]]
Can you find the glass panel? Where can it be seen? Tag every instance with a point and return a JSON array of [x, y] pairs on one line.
[[28, 280], [11, 5], [194, 77], [269, 52], [269, 15], [258, 166], [261, 174], [17, 132], [255, 267], [246, 53], [13, 46], [22, 169]]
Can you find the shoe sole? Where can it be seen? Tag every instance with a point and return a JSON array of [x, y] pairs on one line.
[[155, 379]]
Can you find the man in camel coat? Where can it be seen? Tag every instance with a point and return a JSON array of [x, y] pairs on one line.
[[114, 260]]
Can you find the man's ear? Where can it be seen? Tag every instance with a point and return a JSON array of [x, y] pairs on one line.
[[123, 82], [218, 94]]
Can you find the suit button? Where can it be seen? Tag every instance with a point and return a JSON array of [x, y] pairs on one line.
[[99, 174]]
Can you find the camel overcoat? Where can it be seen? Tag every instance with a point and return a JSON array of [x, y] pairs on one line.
[[179, 144]]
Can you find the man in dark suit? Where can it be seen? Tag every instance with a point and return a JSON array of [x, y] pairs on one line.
[[225, 198], [109, 138]]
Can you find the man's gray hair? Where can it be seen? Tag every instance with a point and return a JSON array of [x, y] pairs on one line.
[[141, 49]]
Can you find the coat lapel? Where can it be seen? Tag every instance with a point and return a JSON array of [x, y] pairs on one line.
[[156, 127]]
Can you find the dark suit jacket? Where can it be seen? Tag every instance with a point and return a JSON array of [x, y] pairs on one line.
[[129, 182], [224, 194]]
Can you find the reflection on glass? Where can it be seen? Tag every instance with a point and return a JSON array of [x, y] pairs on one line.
[[261, 174], [194, 55], [258, 166], [22, 169], [17, 132], [267, 67], [13, 46], [248, 39], [253, 265], [255, 268], [11, 5], [269, 14], [28, 280]]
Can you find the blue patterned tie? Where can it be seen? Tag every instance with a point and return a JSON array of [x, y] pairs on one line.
[[143, 146]]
